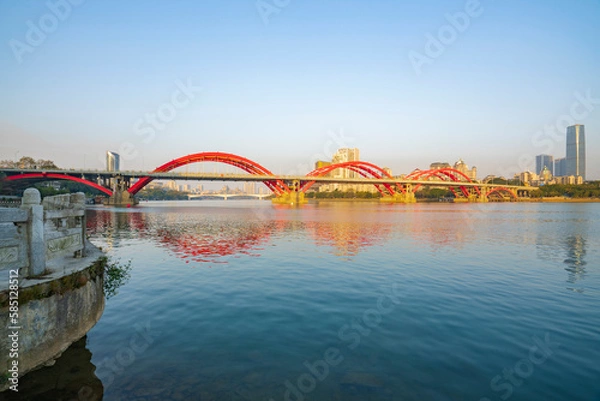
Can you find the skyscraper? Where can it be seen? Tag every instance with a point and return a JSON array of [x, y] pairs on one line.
[[461, 166], [249, 187], [112, 161], [542, 161], [575, 151], [342, 156], [560, 167]]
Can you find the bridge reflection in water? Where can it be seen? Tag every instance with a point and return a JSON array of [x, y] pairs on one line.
[[202, 235], [197, 236]]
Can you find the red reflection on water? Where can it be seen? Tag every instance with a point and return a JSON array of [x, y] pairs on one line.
[[208, 248], [197, 241], [202, 238]]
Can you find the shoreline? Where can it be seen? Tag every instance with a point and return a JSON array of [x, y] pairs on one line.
[[530, 200], [376, 200], [564, 200]]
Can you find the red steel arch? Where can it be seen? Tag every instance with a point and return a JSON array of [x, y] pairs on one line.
[[278, 187], [503, 189], [444, 174], [53, 176], [365, 169]]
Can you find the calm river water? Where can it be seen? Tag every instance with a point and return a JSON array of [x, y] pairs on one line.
[[242, 300]]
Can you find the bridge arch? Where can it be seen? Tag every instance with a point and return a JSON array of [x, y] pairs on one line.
[[445, 174], [365, 169], [277, 186], [501, 190], [54, 176]]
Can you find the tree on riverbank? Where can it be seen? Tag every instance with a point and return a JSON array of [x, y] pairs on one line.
[[433, 193], [589, 190], [423, 193], [29, 162], [161, 194]]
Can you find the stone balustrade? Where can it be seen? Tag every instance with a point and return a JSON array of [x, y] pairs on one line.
[[37, 232]]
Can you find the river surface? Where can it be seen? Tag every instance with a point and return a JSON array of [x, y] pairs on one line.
[[243, 300]]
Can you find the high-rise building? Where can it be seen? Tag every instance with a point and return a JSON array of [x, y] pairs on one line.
[[249, 187], [560, 169], [544, 161], [342, 156], [112, 161], [439, 165], [575, 151], [461, 166], [321, 164]]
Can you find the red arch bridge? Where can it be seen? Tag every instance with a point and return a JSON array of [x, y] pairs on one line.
[[122, 186]]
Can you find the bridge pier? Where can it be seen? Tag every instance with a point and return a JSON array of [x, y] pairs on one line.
[[483, 195], [475, 197], [294, 197], [121, 196], [400, 197], [408, 196], [290, 198]]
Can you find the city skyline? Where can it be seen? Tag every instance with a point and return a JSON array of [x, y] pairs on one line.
[[292, 89], [573, 164]]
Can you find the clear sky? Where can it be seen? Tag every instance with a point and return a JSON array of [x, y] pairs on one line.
[[285, 82]]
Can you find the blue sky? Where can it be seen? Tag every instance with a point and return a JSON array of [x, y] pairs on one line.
[[282, 88]]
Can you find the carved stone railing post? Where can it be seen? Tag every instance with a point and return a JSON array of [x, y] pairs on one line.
[[78, 202], [35, 231]]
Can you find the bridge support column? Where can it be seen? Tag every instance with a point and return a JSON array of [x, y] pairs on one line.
[[480, 197], [294, 197], [121, 196], [401, 197], [290, 198], [483, 196]]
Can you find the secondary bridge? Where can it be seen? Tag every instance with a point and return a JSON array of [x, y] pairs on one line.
[[122, 186], [227, 196]]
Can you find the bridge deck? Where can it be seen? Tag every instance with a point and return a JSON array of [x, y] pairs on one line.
[[94, 174]]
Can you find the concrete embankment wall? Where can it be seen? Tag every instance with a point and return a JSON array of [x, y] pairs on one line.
[[51, 316]]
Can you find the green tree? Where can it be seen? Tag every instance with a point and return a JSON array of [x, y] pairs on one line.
[[161, 194], [29, 162]]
